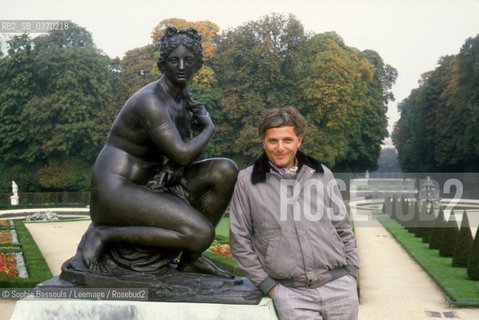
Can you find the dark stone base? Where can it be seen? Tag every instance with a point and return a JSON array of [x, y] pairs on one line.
[[167, 284]]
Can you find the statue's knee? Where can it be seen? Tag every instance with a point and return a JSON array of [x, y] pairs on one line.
[[226, 171], [199, 237]]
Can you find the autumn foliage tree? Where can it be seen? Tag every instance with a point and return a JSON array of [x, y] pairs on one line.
[[344, 95], [342, 92]]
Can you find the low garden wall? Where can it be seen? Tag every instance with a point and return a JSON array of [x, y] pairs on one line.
[[48, 198]]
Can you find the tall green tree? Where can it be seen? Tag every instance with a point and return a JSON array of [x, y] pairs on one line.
[[405, 134], [438, 128], [56, 93]]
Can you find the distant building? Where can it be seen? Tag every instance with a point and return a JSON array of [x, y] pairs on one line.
[[387, 144]]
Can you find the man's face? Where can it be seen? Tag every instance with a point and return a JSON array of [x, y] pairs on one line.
[[281, 144], [180, 66]]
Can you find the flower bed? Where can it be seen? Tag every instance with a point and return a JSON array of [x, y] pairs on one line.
[[12, 263], [220, 248], [5, 237], [220, 254], [4, 223], [8, 267], [29, 262]]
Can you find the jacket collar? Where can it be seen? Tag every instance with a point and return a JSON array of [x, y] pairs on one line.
[[261, 166]]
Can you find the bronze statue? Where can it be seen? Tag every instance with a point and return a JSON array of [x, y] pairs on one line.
[[149, 200]]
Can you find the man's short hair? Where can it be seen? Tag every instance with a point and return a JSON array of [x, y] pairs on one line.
[[281, 117], [174, 37]]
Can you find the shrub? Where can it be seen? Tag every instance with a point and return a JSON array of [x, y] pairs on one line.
[[473, 263], [449, 237], [427, 222], [462, 251], [384, 208], [416, 221], [436, 231]]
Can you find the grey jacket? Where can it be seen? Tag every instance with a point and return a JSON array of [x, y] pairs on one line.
[[293, 231]]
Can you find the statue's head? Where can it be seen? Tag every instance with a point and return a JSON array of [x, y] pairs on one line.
[[174, 37]]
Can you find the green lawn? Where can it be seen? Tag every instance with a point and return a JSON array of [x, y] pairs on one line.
[[222, 236], [454, 281], [223, 230]]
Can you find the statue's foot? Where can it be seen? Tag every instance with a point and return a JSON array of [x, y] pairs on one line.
[[205, 266], [92, 250]]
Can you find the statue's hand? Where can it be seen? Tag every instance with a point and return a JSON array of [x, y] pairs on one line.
[[170, 175], [201, 122], [200, 119], [195, 107]]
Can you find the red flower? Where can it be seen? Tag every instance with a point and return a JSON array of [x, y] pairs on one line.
[[8, 267]]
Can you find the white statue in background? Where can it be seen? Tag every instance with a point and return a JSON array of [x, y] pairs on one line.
[[14, 199]]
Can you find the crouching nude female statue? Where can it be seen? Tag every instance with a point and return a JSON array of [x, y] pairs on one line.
[[149, 200]]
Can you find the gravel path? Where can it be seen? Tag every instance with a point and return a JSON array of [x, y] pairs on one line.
[[393, 286]]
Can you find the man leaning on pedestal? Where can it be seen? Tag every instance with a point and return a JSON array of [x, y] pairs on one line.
[[289, 228]]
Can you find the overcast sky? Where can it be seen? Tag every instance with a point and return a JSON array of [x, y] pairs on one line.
[[410, 35]]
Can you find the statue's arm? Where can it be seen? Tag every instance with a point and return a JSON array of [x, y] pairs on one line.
[[157, 122]]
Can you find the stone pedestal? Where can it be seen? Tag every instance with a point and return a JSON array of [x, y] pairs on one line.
[[39, 309], [166, 284], [14, 200]]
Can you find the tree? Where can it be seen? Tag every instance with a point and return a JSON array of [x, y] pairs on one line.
[[17, 86], [273, 63], [438, 128], [326, 100], [462, 251], [372, 121], [405, 134], [343, 93], [56, 94], [254, 65], [137, 69]]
